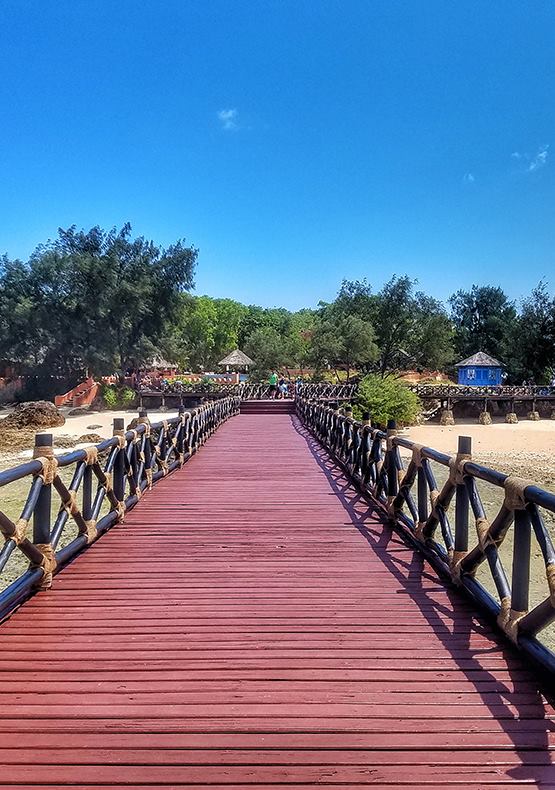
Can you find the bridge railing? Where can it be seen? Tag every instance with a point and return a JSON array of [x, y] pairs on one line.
[[436, 519], [255, 391], [532, 392], [75, 497]]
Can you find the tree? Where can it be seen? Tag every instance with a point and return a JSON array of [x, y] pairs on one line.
[[388, 399], [96, 301], [347, 342], [268, 350], [533, 344], [484, 320]]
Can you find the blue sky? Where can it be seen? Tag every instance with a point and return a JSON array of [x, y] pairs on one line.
[[295, 143]]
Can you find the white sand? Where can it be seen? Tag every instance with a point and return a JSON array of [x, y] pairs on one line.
[[526, 449], [501, 437]]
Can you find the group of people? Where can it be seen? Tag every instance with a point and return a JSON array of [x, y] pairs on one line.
[[278, 387], [282, 388]]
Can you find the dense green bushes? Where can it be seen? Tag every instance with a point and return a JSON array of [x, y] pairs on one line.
[[388, 399], [114, 397]]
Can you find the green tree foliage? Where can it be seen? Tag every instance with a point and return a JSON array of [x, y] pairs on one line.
[[532, 355], [410, 330], [91, 301], [388, 399], [484, 320], [269, 351], [347, 342]]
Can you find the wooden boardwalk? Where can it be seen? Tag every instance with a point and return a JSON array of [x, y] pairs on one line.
[[254, 624]]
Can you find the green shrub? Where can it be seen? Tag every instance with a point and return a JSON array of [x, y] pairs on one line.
[[126, 397], [388, 399], [115, 397], [109, 395]]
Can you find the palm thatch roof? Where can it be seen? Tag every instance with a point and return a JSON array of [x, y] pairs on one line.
[[479, 360], [162, 364], [237, 358]]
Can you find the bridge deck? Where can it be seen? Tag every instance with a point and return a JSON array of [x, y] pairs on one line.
[[252, 623]]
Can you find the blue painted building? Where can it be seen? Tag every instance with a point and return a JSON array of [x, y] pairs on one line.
[[480, 370]]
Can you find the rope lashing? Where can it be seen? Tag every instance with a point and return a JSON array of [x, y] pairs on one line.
[[91, 455], [508, 619], [148, 474], [47, 564], [90, 530], [482, 529], [19, 533], [456, 468], [49, 464], [120, 512], [70, 504], [108, 479], [434, 496], [455, 559], [514, 492], [417, 458]]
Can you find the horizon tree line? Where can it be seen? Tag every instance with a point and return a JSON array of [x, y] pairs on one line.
[[100, 302]]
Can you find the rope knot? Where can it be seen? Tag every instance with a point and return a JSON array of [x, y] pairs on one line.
[[514, 492], [47, 564], [456, 468], [91, 455], [417, 455], [49, 464]]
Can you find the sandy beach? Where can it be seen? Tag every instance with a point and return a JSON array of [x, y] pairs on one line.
[[526, 449]]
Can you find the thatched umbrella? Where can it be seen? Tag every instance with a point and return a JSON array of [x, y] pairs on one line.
[[236, 359]]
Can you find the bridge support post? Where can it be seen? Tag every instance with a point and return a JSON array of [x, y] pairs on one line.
[[119, 463], [534, 414], [391, 467], [42, 513], [447, 417], [464, 450], [484, 418], [511, 417]]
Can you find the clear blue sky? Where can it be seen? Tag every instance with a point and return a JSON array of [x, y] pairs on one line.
[[295, 143]]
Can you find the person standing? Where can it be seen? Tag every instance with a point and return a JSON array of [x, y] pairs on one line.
[[272, 381]]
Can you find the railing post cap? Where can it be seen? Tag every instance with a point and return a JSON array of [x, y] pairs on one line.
[[44, 440], [464, 444]]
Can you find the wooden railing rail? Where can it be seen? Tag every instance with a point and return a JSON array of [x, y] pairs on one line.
[[95, 486], [247, 391], [437, 520], [520, 392]]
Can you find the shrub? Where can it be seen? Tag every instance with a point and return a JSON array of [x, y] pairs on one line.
[[114, 397], [388, 399], [126, 397], [109, 395]]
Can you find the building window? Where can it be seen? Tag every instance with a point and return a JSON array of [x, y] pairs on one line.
[[471, 373], [493, 374]]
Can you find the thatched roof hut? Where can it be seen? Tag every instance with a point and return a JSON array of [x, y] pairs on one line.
[[236, 359]]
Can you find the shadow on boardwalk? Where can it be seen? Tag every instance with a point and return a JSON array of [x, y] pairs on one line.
[[518, 717]]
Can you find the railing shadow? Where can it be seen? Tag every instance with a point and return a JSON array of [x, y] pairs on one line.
[[410, 574]]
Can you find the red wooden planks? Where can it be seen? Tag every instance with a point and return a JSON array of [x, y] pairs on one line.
[[254, 624]]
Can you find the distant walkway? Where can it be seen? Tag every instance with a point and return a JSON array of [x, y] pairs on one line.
[[253, 623]]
